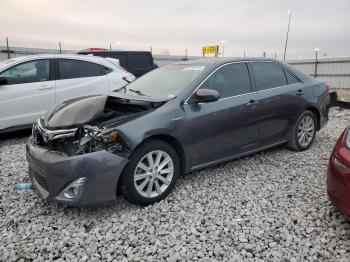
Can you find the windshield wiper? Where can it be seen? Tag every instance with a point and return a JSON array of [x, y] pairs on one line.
[[137, 92], [123, 88]]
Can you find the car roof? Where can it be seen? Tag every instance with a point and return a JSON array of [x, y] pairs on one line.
[[219, 61], [113, 52], [215, 62], [94, 59]]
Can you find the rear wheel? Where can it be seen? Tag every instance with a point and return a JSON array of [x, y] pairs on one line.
[[303, 132], [151, 173]]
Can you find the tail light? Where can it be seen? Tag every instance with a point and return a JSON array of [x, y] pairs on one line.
[[328, 88], [128, 78]]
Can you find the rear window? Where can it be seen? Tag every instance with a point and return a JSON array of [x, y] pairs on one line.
[[140, 60], [69, 68], [120, 57], [268, 75]]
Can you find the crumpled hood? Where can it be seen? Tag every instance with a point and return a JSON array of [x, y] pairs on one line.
[[75, 112], [82, 110]]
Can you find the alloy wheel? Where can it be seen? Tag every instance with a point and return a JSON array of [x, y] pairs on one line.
[[306, 131], [153, 174]]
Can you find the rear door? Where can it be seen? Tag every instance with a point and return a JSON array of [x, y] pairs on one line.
[[30, 91], [280, 101], [79, 78], [221, 129]]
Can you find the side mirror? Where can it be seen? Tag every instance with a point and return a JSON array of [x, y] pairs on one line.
[[3, 81], [206, 96]]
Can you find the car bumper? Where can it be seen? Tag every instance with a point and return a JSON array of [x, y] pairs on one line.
[[51, 172], [338, 189]]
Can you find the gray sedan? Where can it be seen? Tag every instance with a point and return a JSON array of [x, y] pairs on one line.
[[173, 120]]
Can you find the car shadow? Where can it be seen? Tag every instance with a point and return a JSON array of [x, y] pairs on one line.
[[16, 134]]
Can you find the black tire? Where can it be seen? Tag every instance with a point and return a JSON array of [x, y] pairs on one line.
[[294, 143], [127, 179]]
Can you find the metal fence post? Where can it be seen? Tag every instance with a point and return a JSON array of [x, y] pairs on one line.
[[316, 62], [8, 48]]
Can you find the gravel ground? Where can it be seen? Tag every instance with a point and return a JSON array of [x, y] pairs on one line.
[[271, 206]]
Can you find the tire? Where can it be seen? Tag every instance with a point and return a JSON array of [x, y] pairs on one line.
[[294, 143], [144, 185]]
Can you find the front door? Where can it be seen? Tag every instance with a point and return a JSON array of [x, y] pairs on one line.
[[219, 130], [29, 92]]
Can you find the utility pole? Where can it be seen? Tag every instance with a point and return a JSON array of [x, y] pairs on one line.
[[151, 50], [110, 47], [244, 53], [285, 45], [8, 48], [59, 44]]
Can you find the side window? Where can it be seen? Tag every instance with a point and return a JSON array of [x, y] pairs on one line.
[[268, 75], [28, 72], [291, 79], [105, 70], [140, 60], [69, 68], [230, 80]]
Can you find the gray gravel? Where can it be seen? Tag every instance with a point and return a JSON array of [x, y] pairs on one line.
[[271, 206]]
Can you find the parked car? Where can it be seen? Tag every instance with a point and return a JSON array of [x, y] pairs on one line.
[[175, 119], [338, 179], [136, 62], [30, 85]]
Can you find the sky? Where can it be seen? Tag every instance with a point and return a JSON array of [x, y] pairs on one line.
[[250, 26]]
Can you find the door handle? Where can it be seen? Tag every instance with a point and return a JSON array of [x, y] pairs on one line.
[[45, 87], [252, 103], [300, 92]]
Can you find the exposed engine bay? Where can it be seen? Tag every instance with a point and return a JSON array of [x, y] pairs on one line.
[[88, 120]]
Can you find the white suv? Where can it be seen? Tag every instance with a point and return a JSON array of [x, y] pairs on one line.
[[30, 85]]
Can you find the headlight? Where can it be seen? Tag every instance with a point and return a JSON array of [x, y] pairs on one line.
[[114, 143], [340, 166], [347, 139]]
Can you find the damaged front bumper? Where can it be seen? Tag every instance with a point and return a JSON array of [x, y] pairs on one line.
[[97, 172]]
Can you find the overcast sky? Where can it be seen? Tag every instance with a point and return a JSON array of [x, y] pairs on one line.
[[253, 26]]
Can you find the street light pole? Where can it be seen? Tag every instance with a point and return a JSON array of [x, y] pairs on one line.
[[285, 45], [223, 42], [316, 61]]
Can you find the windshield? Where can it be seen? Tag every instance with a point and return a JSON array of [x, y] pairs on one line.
[[165, 82]]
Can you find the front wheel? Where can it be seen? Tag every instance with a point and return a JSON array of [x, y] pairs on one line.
[[303, 132], [151, 173]]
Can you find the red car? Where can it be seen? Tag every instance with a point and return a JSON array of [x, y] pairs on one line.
[[338, 181]]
